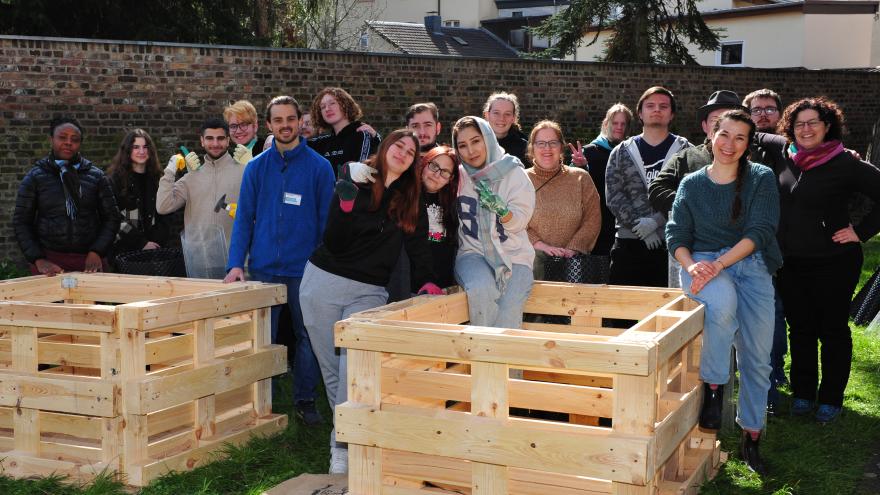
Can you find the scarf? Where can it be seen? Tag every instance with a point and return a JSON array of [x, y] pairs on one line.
[[809, 159], [603, 142], [498, 165], [67, 170]]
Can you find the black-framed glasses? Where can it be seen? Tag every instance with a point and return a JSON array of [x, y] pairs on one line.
[[434, 167], [812, 124], [237, 127], [546, 144], [765, 110]]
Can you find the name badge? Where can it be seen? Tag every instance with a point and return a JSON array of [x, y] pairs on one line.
[[292, 199]]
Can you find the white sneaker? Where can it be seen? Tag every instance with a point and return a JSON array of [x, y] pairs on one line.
[[338, 460]]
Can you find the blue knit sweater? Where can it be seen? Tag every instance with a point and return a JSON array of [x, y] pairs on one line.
[[701, 214]]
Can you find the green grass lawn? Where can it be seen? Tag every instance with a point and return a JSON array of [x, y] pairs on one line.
[[802, 456]]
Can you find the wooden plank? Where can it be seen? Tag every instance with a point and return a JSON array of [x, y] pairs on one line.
[[574, 399], [71, 394], [111, 439], [21, 465], [689, 325], [579, 329], [635, 413], [364, 387], [118, 288], [172, 445], [142, 473], [155, 393], [88, 356], [562, 448], [204, 414], [38, 288], [261, 322], [450, 308], [24, 349], [671, 431], [109, 356], [89, 317], [523, 348], [87, 427], [632, 303], [489, 399], [598, 380], [168, 349], [26, 430], [234, 298]]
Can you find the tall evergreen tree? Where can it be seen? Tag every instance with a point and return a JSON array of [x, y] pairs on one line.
[[645, 31]]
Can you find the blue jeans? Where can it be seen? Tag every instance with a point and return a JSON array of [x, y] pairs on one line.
[[488, 304], [739, 312], [780, 347], [305, 367]]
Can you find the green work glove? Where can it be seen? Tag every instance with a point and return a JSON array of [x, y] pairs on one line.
[[490, 200], [347, 192]]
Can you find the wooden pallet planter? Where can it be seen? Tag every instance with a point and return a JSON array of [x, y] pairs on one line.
[[438, 406], [138, 375]]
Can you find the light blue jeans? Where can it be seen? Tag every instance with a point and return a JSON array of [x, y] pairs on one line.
[[488, 304], [739, 312]]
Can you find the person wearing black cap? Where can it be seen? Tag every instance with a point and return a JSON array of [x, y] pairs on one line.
[[661, 192], [65, 215]]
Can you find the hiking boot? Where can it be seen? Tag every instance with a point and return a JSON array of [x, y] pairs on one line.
[[748, 449], [713, 402], [338, 460], [801, 407], [827, 413], [308, 413]]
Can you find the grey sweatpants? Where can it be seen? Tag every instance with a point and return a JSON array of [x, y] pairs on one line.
[[325, 299]]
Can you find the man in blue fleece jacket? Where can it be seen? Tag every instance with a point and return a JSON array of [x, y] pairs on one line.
[[282, 210]]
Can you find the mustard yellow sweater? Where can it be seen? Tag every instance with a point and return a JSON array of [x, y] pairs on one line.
[[566, 209]]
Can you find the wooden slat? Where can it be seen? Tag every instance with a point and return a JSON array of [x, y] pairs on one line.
[[635, 413], [523, 348], [261, 322], [21, 465], [90, 317], [88, 356], [155, 393], [168, 349], [671, 431], [24, 349], [364, 387], [559, 448], [71, 394], [450, 308], [579, 329], [633, 303], [35, 289], [204, 413], [108, 287], [489, 399]]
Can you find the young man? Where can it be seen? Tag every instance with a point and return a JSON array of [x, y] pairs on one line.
[[200, 189], [765, 106], [424, 120], [638, 256], [241, 117], [65, 216], [285, 197], [335, 110]]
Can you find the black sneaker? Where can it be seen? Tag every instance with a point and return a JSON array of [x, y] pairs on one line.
[[308, 413], [713, 402], [748, 449]]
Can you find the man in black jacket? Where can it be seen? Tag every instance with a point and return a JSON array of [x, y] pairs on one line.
[[342, 138], [65, 215]]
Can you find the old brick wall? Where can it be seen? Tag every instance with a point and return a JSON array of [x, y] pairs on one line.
[[168, 89]]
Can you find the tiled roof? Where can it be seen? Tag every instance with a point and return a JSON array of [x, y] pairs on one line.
[[416, 39]]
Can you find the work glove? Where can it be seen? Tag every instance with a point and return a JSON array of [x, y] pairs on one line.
[[176, 163], [347, 193], [653, 241], [192, 161], [490, 200], [242, 154], [644, 227], [430, 288], [361, 172]]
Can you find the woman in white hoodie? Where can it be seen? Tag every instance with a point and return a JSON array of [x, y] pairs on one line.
[[495, 203]]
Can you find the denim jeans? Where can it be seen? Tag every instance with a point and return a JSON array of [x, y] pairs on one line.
[[739, 312], [780, 347], [305, 367], [327, 298], [488, 304]]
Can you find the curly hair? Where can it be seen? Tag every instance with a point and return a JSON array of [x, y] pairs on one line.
[[829, 112], [545, 124], [347, 104]]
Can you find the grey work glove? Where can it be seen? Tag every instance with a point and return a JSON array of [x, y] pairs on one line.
[[653, 241], [644, 227]]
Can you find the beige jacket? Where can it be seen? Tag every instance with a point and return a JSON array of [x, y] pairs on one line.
[[200, 190]]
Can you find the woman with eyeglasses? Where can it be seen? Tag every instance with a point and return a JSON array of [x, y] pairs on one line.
[[567, 216], [822, 250], [439, 197]]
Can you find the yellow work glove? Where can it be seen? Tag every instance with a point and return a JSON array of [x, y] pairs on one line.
[[242, 154]]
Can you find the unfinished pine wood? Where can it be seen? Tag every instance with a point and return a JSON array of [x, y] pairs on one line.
[[204, 355], [261, 321], [489, 399], [364, 388]]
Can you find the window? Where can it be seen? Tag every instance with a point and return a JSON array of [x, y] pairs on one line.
[[454, 23], [731, 54], [364, 41], [517, 38], [516, 13]]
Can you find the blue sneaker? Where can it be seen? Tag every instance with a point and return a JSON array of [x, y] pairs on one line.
[[827, 413], [801, 407]]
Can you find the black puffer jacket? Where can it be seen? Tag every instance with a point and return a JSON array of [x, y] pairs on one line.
[[40, 219]]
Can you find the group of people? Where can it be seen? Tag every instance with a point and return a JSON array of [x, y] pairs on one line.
[[754, 220]]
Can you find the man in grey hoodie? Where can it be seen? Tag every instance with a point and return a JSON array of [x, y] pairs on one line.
[[638, 256]]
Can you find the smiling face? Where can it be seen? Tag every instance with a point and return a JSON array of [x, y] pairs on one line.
[[425, 127], [331, 110], [471, 147], [65, 141], [215, 142], [140, 153], [284, 125], [656, 111], [501, 117], [242, 131], [434, 180], [809, 129], [400, 156], [730, 141], [547, 149]]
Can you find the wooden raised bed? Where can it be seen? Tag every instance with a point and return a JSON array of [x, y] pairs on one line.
[[138, 375], [437, 406]]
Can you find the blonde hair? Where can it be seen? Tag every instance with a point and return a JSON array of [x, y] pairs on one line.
[[242, 109], [544, 124], [506, 97], [609, 116]]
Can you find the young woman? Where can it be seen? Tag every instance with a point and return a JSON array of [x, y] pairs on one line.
[[495, 203], [367, 226], [440, 177], [501, 110], [722, 230], [134, 175], [341, 137], [567, 219]]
